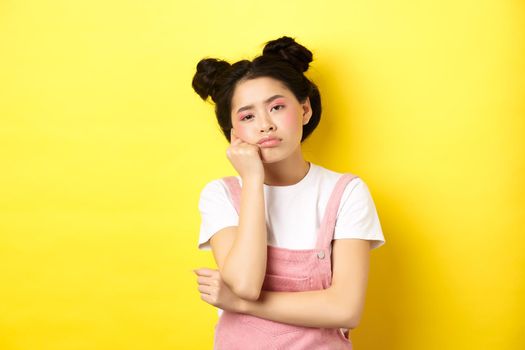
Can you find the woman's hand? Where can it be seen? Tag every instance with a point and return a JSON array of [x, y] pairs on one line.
[[215, 292], [245, 158]]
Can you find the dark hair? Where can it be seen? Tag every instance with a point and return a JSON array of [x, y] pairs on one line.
[[282, 59]]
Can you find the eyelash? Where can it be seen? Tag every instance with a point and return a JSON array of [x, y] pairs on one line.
[[248, 115]]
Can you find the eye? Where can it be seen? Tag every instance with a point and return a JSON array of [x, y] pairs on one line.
[[282, 106], [246, 117]]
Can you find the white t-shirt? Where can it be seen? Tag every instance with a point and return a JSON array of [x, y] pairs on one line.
[[294, 213]]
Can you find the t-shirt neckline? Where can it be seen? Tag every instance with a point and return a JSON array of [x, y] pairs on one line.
[[303, 182]]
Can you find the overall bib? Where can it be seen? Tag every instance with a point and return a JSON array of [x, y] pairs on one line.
[[288, 270]]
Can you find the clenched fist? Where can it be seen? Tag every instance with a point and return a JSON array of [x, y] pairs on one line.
[[215, 292], [245, 158]]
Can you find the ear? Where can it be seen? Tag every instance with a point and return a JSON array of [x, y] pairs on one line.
[[307, 111]]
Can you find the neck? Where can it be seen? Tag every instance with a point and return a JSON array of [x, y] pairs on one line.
[[286, 172]]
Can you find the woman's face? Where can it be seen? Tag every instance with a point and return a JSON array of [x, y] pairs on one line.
[[263, 107]]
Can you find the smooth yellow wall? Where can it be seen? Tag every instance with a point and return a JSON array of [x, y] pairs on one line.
[[104, 148]]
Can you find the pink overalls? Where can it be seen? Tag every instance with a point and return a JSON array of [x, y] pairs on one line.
[[288, 270]]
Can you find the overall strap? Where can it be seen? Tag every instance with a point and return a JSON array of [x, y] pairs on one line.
[[235, 191], [326, 230]]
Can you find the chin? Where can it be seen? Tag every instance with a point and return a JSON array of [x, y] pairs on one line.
[[272, 158], [269, 160]]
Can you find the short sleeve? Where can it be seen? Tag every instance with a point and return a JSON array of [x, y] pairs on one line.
[[216, 210], [357, 215]]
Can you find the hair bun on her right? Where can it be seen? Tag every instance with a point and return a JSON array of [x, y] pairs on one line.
[[288, 49], [208, 70]]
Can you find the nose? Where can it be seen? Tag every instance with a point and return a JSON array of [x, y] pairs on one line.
[[267, 124]]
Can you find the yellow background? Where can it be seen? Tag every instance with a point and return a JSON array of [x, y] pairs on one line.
[[104, 148]]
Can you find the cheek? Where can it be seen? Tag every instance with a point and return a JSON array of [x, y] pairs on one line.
[[290, 121], [241, 131]]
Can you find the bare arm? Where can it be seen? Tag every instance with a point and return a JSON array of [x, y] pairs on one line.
[[339, 306], [240, 252]]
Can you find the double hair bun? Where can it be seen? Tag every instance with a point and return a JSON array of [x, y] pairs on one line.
[[209, 70]]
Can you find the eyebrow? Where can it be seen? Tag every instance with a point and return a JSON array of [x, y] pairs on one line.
[[266, 101]]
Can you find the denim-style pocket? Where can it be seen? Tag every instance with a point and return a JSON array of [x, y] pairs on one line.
[[233, 333]]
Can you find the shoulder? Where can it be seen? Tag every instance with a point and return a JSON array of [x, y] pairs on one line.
[[355, 191], [329, 178], [214, 190], [212, 186], [217, 184]]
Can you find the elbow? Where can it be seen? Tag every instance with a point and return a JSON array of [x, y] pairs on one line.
[[350, 316], [244, 288], [247, 293], [352, 325], [351, 321]]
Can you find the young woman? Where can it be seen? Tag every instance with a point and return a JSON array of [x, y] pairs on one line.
[[291, 238]]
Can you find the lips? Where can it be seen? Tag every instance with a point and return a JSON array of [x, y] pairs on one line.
[[269, 142], [265, 139]]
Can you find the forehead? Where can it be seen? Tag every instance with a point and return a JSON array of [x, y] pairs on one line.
[[255, 91]]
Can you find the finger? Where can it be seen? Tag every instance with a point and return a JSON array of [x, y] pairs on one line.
[[207, 298], [203, 272], [207, 281], [205, 289]]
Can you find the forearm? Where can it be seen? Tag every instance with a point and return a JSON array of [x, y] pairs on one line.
[[245, 266], [320, 308]]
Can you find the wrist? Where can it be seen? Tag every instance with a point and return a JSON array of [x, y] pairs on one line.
[[253, 181]]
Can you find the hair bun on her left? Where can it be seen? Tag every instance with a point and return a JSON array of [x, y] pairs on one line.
[[288, 49]]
